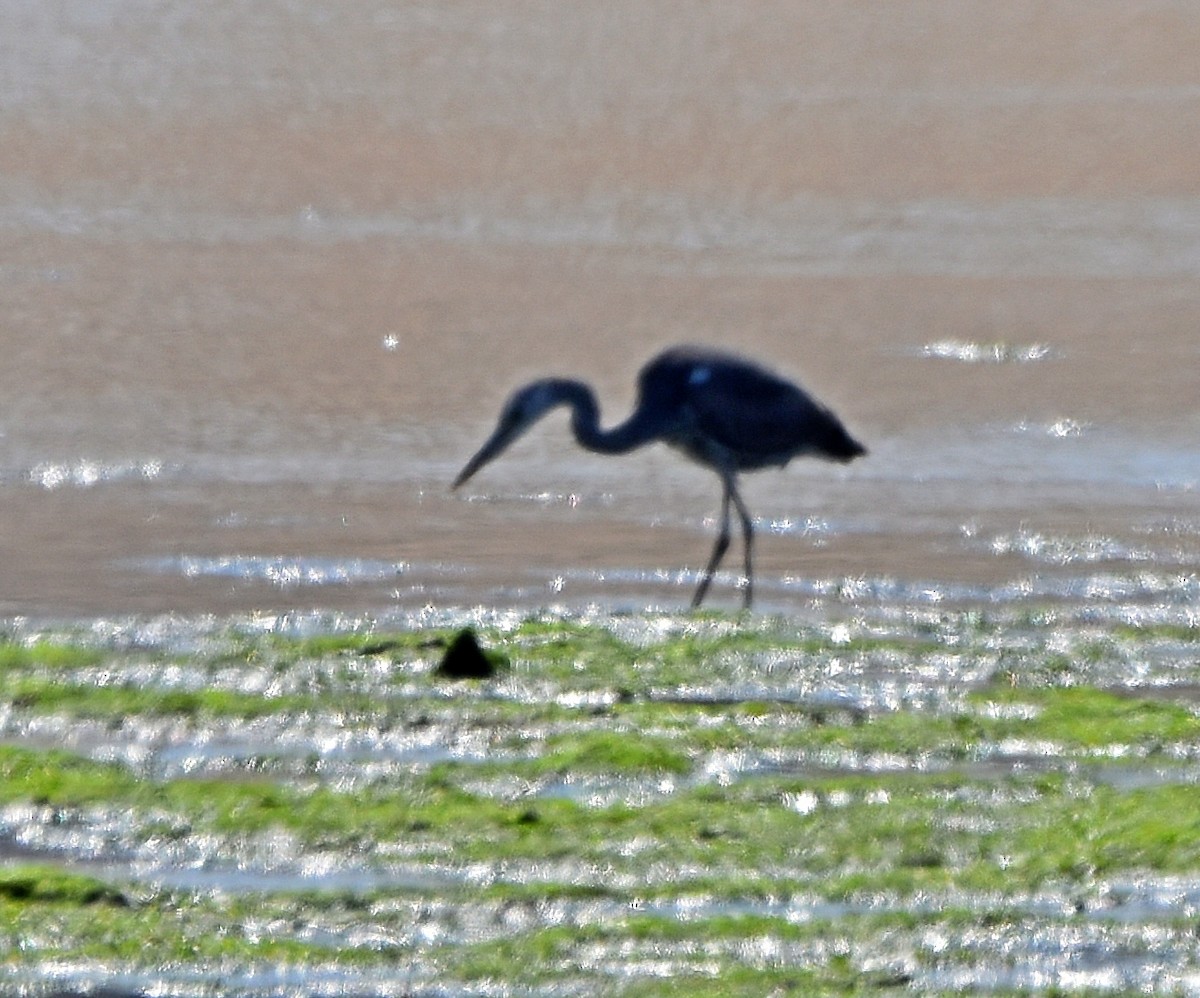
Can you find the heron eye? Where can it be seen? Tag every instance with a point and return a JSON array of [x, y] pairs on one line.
[[699, 375]]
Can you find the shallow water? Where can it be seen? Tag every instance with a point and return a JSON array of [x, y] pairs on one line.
[[861, 661], [267, 273]]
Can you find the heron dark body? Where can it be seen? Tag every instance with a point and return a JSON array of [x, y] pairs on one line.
[[731, 414], [724, 412]]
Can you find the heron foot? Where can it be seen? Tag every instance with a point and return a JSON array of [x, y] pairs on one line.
[[746, 585]]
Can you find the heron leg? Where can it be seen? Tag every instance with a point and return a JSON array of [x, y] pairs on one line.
[[720, 547], [748, 536]]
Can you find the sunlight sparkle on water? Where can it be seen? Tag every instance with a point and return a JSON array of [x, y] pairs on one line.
[[985, 353], [85, 473]]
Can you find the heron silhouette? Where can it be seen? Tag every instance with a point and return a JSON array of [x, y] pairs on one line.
[[722, 411]]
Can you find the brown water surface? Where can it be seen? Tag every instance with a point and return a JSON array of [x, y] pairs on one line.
[[267, 273]]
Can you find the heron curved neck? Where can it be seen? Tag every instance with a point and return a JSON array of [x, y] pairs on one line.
[[585, 420]]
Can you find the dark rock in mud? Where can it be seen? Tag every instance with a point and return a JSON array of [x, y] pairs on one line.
[[464, 659]]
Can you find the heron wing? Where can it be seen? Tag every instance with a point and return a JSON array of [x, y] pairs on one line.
[[729, 412], [757, 417]]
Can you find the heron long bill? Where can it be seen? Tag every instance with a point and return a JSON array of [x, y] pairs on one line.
[[496, 443]]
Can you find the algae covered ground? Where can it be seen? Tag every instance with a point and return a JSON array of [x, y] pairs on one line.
[[931, 800]]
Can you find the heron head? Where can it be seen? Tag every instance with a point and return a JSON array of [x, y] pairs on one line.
[[524, 408]]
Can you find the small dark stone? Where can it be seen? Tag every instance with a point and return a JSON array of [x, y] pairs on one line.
[[889, 979], [464, 659], [380, 647]]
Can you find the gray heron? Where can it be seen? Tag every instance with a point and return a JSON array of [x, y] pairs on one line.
[[724, 412]]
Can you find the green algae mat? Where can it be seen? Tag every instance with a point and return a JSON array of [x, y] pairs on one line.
[[941, 801]]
